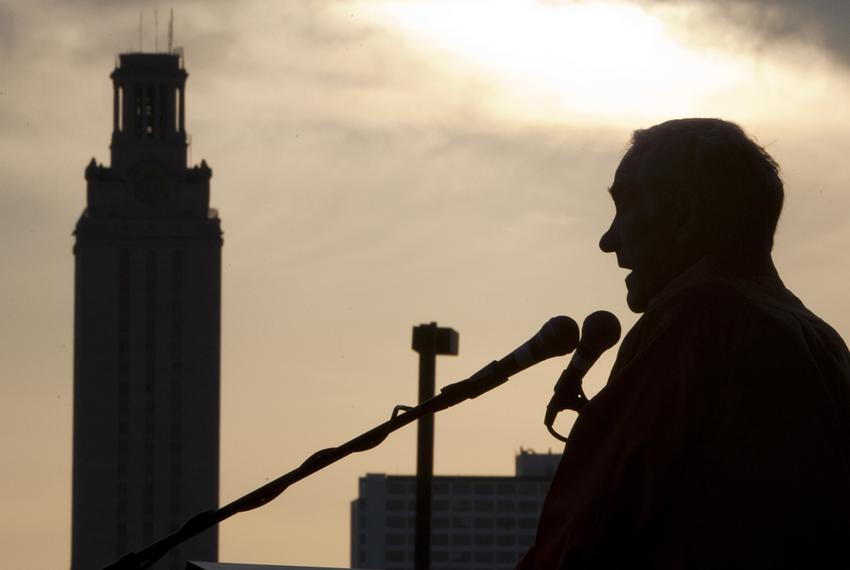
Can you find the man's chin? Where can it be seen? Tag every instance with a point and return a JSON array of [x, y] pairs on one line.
[[636, 300]]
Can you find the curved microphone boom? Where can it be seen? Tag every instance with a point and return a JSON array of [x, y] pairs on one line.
[[599, 332]]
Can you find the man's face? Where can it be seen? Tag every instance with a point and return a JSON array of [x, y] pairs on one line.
[[644, 236]]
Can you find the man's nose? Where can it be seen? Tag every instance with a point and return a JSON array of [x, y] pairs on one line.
[[609, 241]]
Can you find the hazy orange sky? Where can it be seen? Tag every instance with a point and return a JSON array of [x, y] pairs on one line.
[[377, 165]]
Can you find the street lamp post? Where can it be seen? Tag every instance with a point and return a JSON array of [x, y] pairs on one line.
[[429, 340]]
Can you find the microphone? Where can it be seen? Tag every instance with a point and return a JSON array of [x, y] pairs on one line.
[[557, 337], [599, 332]]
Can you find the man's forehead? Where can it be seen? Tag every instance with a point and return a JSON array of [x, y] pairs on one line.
[[624, 178]]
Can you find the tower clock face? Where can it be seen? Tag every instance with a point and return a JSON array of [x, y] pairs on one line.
[[150, 189], [151, 184]]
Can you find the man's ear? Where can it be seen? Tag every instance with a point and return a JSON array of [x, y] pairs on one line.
[[685, 218]]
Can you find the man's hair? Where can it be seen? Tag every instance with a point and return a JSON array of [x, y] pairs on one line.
[[730, 182]]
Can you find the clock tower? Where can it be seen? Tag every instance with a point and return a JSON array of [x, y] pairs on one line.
[[147, 305]]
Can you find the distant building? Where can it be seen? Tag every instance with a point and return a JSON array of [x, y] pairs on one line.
[[478, 522], [146, 329]]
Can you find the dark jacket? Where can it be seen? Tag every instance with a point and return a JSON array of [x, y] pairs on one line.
[[722, 439]]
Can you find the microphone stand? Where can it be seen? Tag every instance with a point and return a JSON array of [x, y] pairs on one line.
[[482, 381]]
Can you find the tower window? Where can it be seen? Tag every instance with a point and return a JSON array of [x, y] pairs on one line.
[[121, 109], [145, 109], [121, 498], [138, 106], [150, 110], [177, 110]]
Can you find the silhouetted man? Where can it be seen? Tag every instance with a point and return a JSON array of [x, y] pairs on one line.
[[722, 439]]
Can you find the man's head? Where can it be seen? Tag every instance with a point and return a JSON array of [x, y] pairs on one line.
[[685, 189]]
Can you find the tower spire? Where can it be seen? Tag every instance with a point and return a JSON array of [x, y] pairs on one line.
[[171, 30]]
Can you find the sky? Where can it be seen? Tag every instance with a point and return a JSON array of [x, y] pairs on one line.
[[377, 165]]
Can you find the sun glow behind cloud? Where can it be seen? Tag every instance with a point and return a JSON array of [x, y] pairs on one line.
[[600, 60]]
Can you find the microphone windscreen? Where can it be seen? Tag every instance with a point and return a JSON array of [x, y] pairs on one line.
[[599, 332], [558, 336]]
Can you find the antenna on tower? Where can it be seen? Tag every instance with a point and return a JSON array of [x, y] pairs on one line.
[[155, 30], [170, 30]]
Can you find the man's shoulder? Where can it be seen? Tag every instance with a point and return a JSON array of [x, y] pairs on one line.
[[735, 298], [742, 311]]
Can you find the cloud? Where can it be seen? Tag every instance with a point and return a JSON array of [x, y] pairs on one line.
[[8, 28], [773, 24]]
